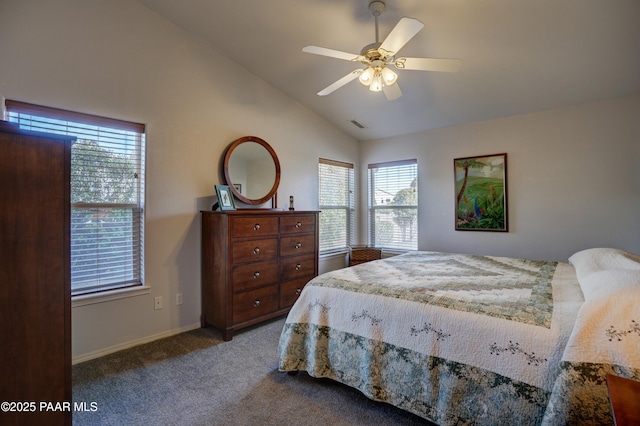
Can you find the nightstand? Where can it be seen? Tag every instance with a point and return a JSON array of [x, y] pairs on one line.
[[624, 395], [358, 255]]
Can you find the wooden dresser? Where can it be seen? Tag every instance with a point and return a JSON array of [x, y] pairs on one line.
[[35, 289], [255, 263]]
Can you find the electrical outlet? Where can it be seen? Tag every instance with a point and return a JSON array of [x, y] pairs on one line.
[[178, 298], [157, 303]]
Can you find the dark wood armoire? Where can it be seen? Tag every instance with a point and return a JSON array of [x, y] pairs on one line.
[[35, 267]]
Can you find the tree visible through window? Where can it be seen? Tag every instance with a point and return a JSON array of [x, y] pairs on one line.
[[393, 205], [107, 194], [336, 199]]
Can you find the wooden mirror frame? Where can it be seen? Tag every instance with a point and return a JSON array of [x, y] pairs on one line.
[[227, 174]]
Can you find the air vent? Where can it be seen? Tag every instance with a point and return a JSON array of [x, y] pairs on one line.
[[358, 125]]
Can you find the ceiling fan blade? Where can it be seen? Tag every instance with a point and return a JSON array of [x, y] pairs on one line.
[[392, 92], [428, 64], [338, 84], [316, 50], [400, 35]]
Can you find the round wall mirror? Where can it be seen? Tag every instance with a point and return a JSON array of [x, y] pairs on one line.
[[252, 170]]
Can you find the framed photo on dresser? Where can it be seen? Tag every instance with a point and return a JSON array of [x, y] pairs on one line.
[[225, 198]]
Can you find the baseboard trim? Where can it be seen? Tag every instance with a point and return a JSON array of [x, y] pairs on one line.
[[106, 351]]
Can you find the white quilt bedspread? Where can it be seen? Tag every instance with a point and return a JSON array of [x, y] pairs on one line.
[[457, 339]]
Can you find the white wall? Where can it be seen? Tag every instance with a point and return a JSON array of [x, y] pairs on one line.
[[118, 59], [573, 180]]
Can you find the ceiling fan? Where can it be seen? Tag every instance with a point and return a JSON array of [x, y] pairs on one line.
[[379, 56]]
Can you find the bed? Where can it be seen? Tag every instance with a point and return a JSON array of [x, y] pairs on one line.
[[465, 339]]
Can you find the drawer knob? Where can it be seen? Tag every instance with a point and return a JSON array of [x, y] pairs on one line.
[[256, 227], [298, 245], [256, 303], [256, 275], [298, 267], [298, 224], [256, 250], [298, 291]]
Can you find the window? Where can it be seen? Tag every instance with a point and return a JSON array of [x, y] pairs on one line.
[[336, 205], [393, 205], [107, 194]]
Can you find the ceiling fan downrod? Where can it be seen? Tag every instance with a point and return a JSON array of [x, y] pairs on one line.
[[376, 7]]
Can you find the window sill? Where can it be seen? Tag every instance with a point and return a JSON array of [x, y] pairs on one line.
[[333, 254], [107, 296], [395, 252]]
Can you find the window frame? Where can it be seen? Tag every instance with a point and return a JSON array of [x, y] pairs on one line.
[[348, 207], [374, 208], [17, 111]]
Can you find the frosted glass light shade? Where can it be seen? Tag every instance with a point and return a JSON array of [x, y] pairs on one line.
[[389, 76], [376, 83], [367, 76]]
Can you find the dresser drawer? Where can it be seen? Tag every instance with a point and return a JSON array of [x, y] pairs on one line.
[[290, 290], [292, 268], [255, 303], [299, 224], [252, 275], [292, 246], [254, 250], [253, 226]]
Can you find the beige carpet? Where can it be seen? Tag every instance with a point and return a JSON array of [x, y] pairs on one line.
[[197, 379]]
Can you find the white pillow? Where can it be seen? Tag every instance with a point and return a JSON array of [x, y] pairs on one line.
[[600, 259], [607, 283]]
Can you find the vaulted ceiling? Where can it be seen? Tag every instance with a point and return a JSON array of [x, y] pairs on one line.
[[519, 56]]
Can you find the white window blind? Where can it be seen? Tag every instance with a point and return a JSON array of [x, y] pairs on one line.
[[336, 199], [107, 194], [393, 205]]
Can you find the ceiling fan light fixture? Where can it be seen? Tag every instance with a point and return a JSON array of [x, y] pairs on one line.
[[367, 76], [377, 82], [389, 76]]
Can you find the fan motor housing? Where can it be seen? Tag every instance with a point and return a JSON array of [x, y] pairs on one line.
[[372, 52]]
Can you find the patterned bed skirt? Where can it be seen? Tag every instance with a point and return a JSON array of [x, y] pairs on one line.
[[441, 391]]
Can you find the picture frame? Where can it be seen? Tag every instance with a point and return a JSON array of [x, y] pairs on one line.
[[225, 198], [238, 187], [481, 193]]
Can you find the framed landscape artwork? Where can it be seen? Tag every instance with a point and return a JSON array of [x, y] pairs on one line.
[[481, 193]]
